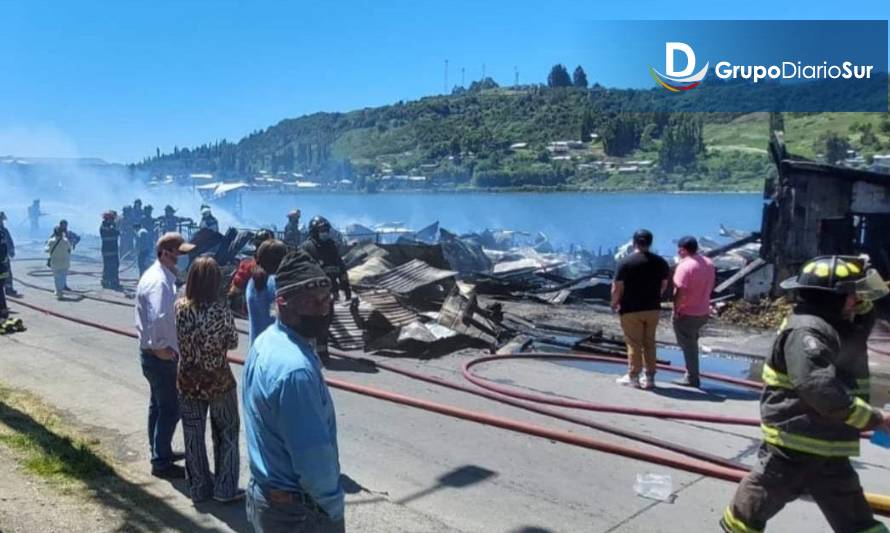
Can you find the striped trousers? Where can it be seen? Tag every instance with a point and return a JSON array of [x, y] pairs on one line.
[[224, 425]]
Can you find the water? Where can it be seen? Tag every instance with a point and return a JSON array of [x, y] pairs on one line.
[[588, 219], [715, 363]]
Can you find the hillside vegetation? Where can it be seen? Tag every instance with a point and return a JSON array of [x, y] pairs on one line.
[[530, 137]]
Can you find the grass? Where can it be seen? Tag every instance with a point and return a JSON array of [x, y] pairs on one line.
[[43, 445], [802, 132]]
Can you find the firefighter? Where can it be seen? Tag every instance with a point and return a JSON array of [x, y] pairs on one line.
[[144, 247], [292, 236], [149, 222], [10, 249], [4, 273], [127, 235], [811, 415], [242, 275], [322, 247], [34, 215], [208, 221], [110, 234], [170, 222]]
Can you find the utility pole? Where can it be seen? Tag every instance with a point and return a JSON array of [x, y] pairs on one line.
[[483, 71], [462, 71], [446, 77], [515, 76]]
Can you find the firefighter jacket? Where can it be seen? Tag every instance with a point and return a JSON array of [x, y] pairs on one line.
[[170, 223], [327, 255], [109, 233], [809, 401], [4, 258], [292, 236]]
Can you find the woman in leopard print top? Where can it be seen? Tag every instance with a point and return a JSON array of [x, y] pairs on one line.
[[206, 330]]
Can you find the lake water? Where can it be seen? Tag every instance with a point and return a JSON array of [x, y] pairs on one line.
[[588, 219]]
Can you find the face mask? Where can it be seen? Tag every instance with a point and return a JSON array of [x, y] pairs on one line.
[[312, 327], [324, 235]]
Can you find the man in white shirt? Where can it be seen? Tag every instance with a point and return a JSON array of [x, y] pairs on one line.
[[159, 347]]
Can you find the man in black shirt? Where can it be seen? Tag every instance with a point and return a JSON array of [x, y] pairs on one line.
[[639, 281]]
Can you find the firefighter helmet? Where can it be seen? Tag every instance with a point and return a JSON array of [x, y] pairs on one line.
[[833, 273], [317, 225], [294, 214], [262, 235]]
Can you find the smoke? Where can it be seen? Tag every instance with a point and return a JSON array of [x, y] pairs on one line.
[[80, 190]]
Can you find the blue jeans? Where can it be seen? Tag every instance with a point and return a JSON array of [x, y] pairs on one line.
[[163, 409], [224, 424], [295, 516], [60, 279]]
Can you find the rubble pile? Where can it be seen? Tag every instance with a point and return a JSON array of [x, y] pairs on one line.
[[763, 314], [417, 292]]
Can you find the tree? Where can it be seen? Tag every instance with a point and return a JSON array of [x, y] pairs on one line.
[[868, 137], [483, 84], [681, 142], [559, 76], [620, 135], [835, 148], [579, 78], [586, 125]]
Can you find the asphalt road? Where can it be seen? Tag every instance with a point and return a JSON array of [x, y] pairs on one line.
[[410, 470]]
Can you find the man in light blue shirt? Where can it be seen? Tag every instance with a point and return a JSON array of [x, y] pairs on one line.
[[289, 416], [159, 350]]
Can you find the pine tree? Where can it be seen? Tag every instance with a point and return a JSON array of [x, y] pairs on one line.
[[579, 78], [559, 76]]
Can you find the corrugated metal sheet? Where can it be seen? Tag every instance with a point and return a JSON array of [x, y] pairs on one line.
[[385, 303], [345, 334], [409, 277], [459, 313]]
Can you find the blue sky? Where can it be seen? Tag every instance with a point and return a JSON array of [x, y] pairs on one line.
[[117, 79]]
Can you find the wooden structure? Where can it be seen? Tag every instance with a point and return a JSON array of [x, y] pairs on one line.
[[816, 209]]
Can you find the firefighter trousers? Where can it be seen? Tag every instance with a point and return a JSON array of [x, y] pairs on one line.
[[780, 476], [110, 267]]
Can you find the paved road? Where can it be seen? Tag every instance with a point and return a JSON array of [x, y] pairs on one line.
[[410, 470]]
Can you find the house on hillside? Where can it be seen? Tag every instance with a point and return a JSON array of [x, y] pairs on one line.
[[816, 209]]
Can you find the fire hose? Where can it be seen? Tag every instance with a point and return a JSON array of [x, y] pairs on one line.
[[880, 503]]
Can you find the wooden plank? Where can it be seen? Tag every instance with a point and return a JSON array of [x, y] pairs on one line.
[[753, 266]]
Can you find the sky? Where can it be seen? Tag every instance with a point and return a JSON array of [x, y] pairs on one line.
[[115, 80]]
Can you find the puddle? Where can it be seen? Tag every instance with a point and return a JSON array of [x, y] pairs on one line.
[[713, 362]]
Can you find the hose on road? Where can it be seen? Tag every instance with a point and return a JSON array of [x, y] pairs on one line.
[[880, 503]]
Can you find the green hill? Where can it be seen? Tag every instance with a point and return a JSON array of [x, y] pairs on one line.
[[499, 138]]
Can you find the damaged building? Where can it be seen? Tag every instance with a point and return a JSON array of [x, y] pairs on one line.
[[814, 209]]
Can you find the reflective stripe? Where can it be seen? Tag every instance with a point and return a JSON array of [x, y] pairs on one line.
[[735, 525], [775, 379], [859, 415], [863, 387], [825, 448]]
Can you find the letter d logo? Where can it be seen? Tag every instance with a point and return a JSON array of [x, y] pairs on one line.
[[677, 81], [669, 51]]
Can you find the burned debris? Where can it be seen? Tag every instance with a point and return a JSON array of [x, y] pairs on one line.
[[817, 209]]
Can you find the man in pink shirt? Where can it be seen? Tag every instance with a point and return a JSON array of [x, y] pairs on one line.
[[693, 284]]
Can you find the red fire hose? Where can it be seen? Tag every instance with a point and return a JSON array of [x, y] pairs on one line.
[[880, 503], [606, 408]]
